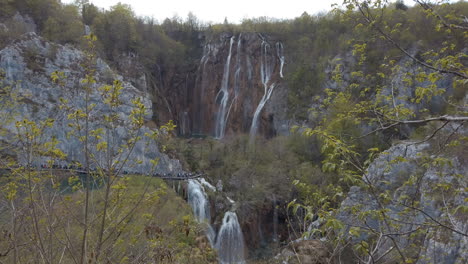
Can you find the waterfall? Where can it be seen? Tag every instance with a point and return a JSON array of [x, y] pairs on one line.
[[266, 70], [223, 93], [236, 75], [279, 53], [230, 241], [198, 200], [238, 66]]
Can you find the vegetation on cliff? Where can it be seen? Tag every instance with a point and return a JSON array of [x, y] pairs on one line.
[[367, 77], [87, 208]]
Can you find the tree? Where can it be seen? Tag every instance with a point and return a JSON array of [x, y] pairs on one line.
[[85, 220], [373, 107]]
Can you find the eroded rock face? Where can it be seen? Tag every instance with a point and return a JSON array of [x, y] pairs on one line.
[[389, 173], [220, 97], [28, 64]]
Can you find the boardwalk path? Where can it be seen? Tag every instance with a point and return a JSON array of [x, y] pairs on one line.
[[179, 177]]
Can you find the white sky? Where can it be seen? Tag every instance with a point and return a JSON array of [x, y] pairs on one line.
[[217, 10]]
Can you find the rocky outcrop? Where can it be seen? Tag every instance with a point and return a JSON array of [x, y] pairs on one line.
[[305, 251], [403, 179], [28, 64]]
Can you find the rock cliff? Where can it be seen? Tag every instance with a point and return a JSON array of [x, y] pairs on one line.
[[403, 180], [28, 64], [237, 76]]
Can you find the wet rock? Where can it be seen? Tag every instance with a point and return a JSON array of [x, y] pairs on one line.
[[193, 100]]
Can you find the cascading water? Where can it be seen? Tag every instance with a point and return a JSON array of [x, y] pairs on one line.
[[223, 93], [198, 200], [230, 241], [238, 66], [237, 73], [279, 53], [266, 70]]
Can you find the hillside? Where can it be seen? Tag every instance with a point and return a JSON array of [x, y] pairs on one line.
[[331, 138]]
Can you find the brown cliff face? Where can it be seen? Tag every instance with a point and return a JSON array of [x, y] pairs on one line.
[[220, 96], [234, 74]]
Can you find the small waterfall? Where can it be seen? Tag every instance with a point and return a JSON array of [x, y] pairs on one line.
[[279, 53], [223, 93], [266, 70], [230, 241], [201, 208], [198, 201]]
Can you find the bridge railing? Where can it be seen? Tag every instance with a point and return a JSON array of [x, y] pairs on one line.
[[177, 177]]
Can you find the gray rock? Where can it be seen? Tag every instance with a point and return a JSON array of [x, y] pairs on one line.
[[28, 64], [387, 175], [26, 21]]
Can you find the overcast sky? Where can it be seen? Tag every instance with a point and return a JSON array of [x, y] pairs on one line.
[[217, 10]]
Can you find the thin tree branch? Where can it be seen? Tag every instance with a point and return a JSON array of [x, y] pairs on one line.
[[370, 21]]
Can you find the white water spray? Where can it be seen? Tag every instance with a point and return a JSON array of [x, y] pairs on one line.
[[236, 75], [221, 116], [279, 53], [266, 71], [198, 200], [230, 241]]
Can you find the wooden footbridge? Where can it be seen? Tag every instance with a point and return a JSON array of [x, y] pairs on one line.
[[164, 176]]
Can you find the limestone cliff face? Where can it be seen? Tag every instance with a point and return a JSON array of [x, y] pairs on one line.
[[237, 76], [28, 64], [438, 245]]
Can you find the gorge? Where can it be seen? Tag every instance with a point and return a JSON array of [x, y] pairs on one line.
[[330, 138]]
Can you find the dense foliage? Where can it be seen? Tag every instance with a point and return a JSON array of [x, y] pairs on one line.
[[175, 44]]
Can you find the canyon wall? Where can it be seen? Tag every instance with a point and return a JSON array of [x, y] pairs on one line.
[[229, 91]]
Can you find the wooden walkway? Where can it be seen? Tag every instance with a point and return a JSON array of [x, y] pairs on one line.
[[178, 177], [182, 178]]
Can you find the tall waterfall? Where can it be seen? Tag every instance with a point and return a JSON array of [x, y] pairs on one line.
[[230, 241], [223, 93], [237, 72], [238, 67], [266, 71]]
